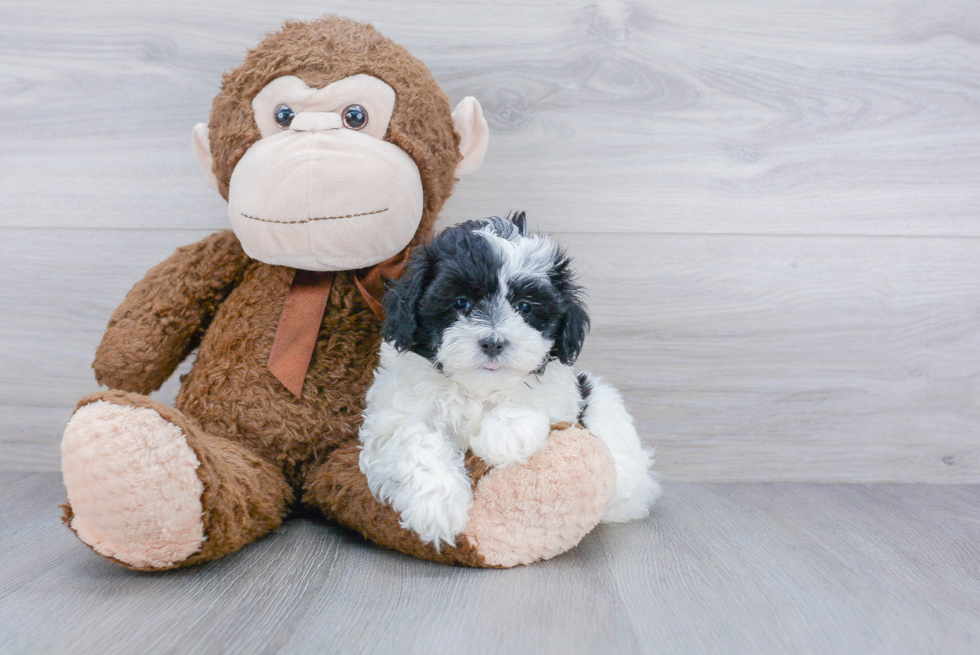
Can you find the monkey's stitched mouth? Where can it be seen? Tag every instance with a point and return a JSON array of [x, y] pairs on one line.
[[318, 218]]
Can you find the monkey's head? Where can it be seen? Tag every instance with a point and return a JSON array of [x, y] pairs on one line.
[[334, 147]]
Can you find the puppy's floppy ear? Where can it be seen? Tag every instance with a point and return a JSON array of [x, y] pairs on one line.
[[402, 300], [520, 220], [572, 329], [574, 322]]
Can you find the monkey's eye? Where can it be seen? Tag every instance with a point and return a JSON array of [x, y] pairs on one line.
[[462, 304], [284, 116], [355, 117], [523, 306]]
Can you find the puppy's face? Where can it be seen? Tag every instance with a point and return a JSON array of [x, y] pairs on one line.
[[487, 304]]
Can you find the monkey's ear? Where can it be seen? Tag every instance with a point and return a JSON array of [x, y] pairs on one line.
[[201, 145], [474, 135]]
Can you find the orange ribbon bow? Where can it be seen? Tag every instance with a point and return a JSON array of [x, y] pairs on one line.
[[302, 314]]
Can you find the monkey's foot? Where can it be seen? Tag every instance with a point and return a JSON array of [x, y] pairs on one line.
[[133, 487], [535, 511]]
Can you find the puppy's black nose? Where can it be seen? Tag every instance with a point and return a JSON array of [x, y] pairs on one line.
[[492, 346]]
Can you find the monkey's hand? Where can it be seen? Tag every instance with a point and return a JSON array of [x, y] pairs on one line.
[[510, 434], [165, 314]]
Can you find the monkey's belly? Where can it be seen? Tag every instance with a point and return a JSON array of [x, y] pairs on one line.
[[232, 394]]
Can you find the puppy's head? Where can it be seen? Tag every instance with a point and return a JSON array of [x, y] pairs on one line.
[[487, 303]]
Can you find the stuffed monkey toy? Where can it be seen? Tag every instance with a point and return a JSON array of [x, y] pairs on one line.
[[335, 150]]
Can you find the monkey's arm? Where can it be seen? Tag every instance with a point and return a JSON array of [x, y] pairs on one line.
[[165, 314]]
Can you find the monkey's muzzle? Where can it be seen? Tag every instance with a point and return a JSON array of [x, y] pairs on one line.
[[324, 199]]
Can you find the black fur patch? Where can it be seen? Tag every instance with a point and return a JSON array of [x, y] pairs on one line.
[[420, 307], [584, 390], [574, 318]]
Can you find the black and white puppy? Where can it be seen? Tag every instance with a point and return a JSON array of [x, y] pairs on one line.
[[480, 337]]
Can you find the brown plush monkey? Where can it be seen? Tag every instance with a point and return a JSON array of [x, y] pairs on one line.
[[335, 149]]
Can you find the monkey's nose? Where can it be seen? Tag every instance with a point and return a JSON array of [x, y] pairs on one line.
[[313, 121], [492, 346]]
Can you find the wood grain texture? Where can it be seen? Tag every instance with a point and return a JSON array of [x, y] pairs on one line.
[[743, 358], [774, 205], [733, 117], [735, 568]]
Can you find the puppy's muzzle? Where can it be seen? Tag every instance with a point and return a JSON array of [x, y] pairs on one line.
[[492, 346]]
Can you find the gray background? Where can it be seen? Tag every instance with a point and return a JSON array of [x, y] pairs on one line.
[[774, 207]]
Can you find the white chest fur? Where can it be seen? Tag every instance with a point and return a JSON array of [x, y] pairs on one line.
[[408, 388]]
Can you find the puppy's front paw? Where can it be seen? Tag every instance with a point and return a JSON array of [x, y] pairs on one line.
[[510, 435], [436, 510], [422, 476]]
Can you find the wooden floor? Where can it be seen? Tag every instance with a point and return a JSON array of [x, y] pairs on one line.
[[719, 568]]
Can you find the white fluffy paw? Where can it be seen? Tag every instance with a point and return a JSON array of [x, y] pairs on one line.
[[510, 435], [421, 475], [435, 512]]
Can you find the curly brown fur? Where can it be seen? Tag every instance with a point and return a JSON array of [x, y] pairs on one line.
[[231, 392], [164, 316]]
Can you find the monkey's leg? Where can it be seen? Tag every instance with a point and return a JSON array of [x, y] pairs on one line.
[[150, 490], [520, 514]]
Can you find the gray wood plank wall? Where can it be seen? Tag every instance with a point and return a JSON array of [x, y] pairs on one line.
[[774, 205]]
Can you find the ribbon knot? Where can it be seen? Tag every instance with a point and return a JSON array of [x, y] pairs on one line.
[[302, 314]]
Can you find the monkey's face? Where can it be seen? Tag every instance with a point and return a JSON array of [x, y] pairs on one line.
[[334, 147], [322, 190]]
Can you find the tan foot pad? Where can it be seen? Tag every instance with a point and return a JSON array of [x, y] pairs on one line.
[[132, 485], [523, 514]]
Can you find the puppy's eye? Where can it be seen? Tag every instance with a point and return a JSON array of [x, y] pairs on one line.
[[355, 117], [462, 304], [523, 306], [284, 116]]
